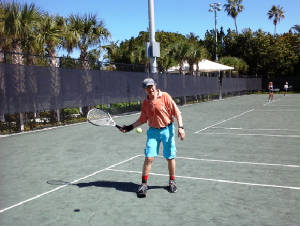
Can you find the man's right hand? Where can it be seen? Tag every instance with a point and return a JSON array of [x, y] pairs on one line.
[[126, 129]]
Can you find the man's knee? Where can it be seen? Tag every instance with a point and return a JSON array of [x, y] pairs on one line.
[[149, 160]]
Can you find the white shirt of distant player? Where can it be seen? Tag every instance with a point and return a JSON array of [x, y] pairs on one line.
[[286, 86]]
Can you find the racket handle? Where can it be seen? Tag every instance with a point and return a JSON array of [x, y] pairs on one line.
[[119, 127]]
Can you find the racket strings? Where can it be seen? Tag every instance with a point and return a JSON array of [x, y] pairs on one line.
[[99, 117]]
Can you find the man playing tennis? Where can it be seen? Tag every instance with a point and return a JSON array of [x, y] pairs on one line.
[[158, 109]]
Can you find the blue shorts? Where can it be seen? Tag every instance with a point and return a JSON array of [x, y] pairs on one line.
[[166, 136]]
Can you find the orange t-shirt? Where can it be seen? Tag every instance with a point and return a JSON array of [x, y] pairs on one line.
[[159, 112]]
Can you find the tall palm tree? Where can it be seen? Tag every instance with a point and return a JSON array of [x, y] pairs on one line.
[[86, 32], [2, 44], [276, 13], [195, 53], [296, 28], [165, 60], [3, 40], [51, 34], [113, 54], [179, 52], [233, 8], [19, 26]]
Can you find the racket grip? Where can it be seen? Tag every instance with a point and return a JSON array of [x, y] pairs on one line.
[[119, 127]]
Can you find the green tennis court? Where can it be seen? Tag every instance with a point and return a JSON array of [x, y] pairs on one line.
[[239, 165]]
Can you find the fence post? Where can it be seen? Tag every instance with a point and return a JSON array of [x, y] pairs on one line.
[[22, 121], [220, 86]]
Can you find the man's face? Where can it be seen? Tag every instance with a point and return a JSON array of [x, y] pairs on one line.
[[150, 90]]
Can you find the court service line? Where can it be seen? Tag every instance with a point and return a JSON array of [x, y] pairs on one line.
[[253, 134], [211, 179], [283, 106], [280, 110], [237, 128], [62, 186], [240, 162], [225, 120]]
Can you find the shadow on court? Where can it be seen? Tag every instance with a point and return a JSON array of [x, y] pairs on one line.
[[120, 186]]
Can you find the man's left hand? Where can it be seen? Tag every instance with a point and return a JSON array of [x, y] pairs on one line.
[[181, 133]]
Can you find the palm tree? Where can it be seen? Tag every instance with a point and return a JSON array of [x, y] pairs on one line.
[[195, 53], [112, 55], [51, 34], [19, 26], [233, 8], [276, 13], [2, 44], [165, 61], [179, 52], [85, 32], [3, 40], [296, 28]]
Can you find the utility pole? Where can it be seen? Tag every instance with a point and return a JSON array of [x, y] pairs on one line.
[[214, 7], [152, 47]]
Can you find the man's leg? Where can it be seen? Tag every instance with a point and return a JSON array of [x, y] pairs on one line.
[[172, 168], [146, 169], [170, 154], [142, 189]]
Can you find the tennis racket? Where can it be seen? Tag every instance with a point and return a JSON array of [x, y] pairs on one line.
[[98, 117]]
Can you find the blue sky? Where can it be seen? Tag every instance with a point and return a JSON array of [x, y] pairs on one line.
[[126, 18]]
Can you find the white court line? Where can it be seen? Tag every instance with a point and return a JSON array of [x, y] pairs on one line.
[[57, 127], [252, 134], [236, 128], [283, 106], [239, 162], [273, 101], [236, 116], [41, 130], [211, 179], [62, 186], [283, 110]]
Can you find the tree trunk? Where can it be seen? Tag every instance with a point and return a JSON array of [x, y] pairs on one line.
[[55, 82], [235, 25], [19, 77]]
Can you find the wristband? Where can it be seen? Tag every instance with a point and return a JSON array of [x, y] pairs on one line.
[[128, 128], [181, 127]]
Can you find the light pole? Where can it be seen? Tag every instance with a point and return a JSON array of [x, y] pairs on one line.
[[152, 47], [214, 7]]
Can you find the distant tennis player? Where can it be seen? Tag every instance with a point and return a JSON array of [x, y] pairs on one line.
[[158, 109], [286, 87], [270, 88]]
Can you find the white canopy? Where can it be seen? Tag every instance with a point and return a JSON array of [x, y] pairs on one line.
[[204, 66], [210, 66]]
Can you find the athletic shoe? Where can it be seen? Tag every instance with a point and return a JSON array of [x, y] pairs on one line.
[[142, 190], [172, 186]]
